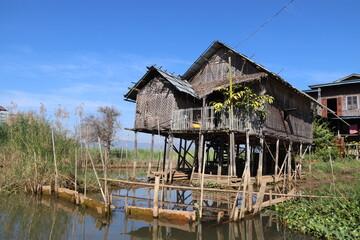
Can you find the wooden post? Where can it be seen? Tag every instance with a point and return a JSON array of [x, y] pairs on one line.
[[55, 163], [230, 164], [149, 169], [246, 174], [164, 159], [220, 158], [134, 169], [260, 165], [202, 183], [277, 160], [310, 156], [250, 197], [179, 153], [75, 182], [185, 153], [289, 161], [86, 168], [220, 216], [126, 150], [103, 160], [135, 146], [301, 158], [169, 157], [200, 152], [156, 197], [97, 178], [152, 148]]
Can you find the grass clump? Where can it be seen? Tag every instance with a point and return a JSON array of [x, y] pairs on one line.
[[27, 157]]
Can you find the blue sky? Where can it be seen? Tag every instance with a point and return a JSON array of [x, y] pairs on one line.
[[88, 52]]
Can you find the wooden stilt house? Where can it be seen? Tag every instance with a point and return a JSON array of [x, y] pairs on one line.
[[179, 107]]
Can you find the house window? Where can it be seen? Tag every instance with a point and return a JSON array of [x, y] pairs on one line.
[[352, 102]]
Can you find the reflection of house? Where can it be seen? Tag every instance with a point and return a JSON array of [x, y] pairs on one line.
[[3, 113], [180, 107], [342, 96]]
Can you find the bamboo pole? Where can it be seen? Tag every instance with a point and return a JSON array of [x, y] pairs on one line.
[[260, 165], [247, 174], [289, 161], [135, 146], [277, 159], [152, 148], [104, 170], [156, 197], [75, 183], [97, 178], [332, 169], [202, 183], [55, 163]]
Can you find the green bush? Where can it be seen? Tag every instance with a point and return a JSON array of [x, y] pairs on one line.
[[323, 141]]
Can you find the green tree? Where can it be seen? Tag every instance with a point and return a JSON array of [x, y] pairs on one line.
[[323, 140]]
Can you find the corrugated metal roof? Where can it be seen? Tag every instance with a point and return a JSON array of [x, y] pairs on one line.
[[178, 83]]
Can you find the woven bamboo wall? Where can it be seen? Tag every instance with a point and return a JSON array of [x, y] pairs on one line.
[[156, 102]]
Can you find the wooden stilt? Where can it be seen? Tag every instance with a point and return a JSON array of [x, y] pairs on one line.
[[152, 148], [55, 162], [179, 153], [76, 163], [185, 153], [260, 165], [156, 197], [277, 160], [135, 146], [164, 159], [200, 152], [202, 183], [246, 175], [289, 161]]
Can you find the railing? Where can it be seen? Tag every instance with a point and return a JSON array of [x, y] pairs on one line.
[[207, 119]]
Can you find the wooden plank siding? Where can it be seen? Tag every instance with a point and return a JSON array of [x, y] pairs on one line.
[[218, 68]]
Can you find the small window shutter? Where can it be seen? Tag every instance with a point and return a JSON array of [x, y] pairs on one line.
[[338, 107], [323, 110]]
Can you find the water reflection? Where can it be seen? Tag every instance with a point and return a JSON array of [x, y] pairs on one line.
[[26, 217]]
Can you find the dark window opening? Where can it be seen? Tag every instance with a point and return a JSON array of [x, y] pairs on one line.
[[332, 105]]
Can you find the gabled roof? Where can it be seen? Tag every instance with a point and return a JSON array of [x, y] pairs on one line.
[[214, 47], [179, 84], [2, 108], [350, 79]]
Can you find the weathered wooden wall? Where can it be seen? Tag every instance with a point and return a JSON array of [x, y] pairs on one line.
[[218, 67], [295, 123]]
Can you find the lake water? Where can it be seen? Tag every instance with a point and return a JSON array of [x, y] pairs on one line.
[[27, 217]]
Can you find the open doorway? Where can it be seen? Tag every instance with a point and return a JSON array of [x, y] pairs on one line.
[[331, 103]]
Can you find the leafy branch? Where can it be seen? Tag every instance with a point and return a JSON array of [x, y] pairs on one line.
[[243, 99]]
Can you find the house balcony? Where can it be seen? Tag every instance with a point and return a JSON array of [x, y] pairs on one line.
[[206, 119]]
